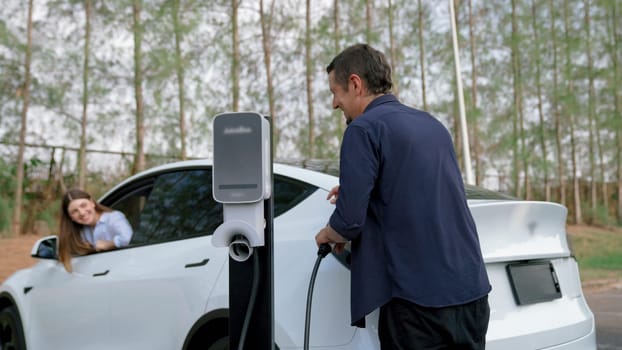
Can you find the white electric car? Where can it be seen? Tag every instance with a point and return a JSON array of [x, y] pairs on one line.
[[169, 288]]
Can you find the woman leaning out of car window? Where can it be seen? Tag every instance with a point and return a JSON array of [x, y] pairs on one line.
[[87, 226]]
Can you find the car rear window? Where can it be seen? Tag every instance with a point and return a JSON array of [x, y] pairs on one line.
[[476, 192]]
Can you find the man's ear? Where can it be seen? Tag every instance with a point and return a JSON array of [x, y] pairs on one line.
[[357, 83]]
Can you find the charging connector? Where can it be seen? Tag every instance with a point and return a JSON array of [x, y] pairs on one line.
[[322, 251]]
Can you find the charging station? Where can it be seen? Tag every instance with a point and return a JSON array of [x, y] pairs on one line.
[[242, 182]]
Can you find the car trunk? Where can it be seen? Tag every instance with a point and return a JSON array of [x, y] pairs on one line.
[[536, 301]]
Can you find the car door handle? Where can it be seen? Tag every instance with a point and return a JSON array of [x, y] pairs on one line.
[[197, 264], [101, 273]]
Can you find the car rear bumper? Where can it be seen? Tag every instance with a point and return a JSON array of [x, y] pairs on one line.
[[587, 342]]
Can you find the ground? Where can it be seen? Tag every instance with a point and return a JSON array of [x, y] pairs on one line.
[[15, 254]]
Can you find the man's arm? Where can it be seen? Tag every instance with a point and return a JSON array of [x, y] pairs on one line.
[[329, 235]]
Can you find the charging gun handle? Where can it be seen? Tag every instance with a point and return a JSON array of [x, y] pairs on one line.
[[324, 250]]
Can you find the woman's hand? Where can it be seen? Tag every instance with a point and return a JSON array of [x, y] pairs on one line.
[[104, 245]]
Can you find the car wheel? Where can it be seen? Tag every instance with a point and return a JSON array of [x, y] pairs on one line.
[[213, 335], [11, 332], [219, 344]]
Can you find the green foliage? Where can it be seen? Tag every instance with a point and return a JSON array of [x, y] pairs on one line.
[[50, 214], [599, 216], [5, 217], [611, 261], [597, 250], [7, 180]]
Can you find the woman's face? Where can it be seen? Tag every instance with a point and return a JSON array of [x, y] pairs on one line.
[[82, 211]]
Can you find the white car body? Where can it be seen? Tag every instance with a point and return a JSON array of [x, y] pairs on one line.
[[146, 296]]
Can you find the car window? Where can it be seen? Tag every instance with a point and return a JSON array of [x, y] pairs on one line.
[[179, 206], [133, 203], [289, 192]]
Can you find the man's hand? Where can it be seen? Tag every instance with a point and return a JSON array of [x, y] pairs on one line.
[[330, 236], [333, 194]]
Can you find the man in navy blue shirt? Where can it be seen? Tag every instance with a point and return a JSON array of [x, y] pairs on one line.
[[402, 205]]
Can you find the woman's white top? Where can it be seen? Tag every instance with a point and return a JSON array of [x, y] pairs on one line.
[[112, 226]]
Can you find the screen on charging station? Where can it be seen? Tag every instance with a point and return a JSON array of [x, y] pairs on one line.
[[238, 159]]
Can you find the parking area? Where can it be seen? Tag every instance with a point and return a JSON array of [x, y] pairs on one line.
[[607, 308]]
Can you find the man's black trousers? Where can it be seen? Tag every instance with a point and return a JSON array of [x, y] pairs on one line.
[[404, 326]]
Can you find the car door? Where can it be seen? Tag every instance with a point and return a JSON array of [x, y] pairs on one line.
[[165, 282], [71, 310]]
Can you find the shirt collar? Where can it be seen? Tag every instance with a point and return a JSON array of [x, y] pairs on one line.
[[103, 218], [382, 99]]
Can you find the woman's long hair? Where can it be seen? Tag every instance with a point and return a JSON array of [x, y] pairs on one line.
[[70, 240]]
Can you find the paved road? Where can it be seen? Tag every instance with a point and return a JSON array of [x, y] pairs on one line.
[[607, 308]]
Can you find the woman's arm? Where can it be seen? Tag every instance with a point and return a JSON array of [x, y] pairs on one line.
[[122, 230], [119, 230]]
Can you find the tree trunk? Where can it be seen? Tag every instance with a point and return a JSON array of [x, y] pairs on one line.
[[541, 130], [59, 172], [617, 80], [139, 158], [516, 99], [591, 115], [19, 176], [51, 171], [235, 62], [309, 78], [601, 157], [422, 55], [392, 49], [456, 106], [555, 109], [520, 113], [602, 178], [266, 25], [475, 113], [337, 35], [570, 112], [85, 96], [368, 22], [180, 79], [524, 155], [337, 30]]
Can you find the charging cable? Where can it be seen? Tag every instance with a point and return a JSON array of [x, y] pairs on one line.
[[322, 251], [251, 302]]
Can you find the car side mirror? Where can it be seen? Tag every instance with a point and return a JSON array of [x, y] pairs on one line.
[[45, 248]]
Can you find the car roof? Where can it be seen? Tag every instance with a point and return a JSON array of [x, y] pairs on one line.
[[315, 178], [320, 179]]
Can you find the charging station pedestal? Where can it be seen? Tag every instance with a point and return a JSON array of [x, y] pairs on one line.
[[243, 182]]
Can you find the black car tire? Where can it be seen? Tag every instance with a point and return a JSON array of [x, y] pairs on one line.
[[11, 332], [220, 344]]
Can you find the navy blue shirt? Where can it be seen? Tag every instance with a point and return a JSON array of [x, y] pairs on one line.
[[403, 206]]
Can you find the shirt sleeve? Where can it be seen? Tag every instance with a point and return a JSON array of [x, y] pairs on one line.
[[121, 228], [358, 170]]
